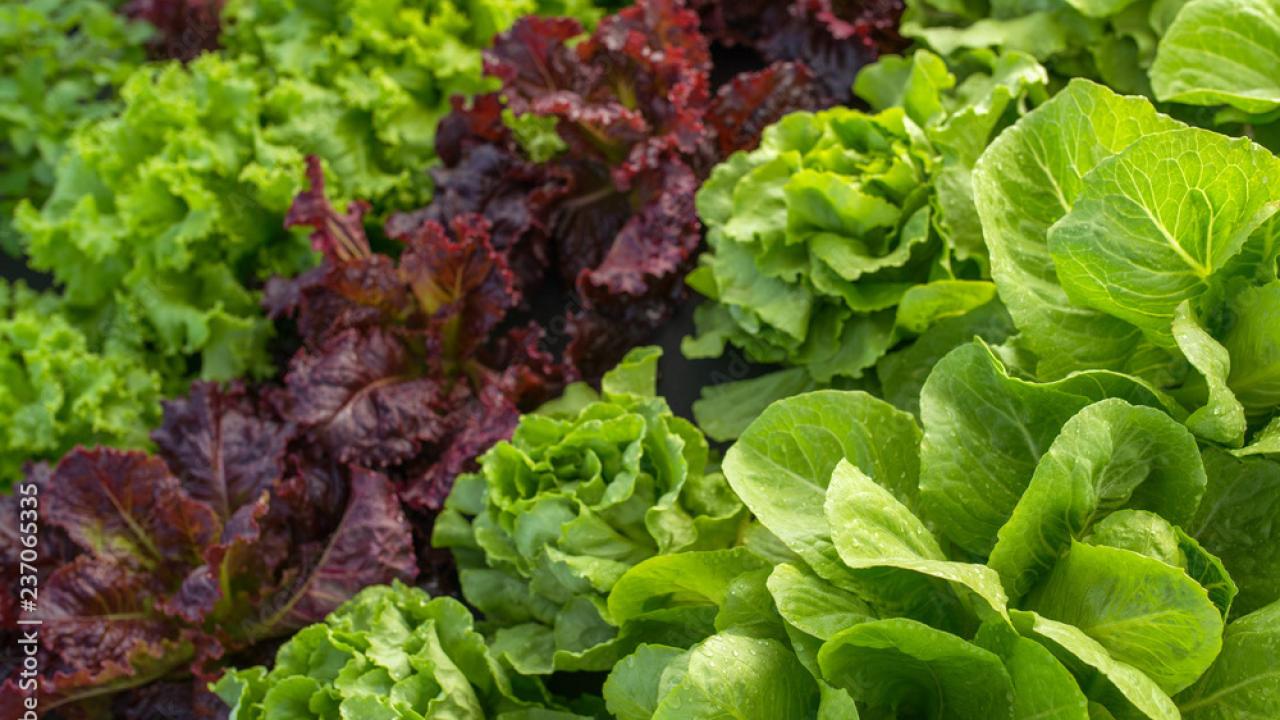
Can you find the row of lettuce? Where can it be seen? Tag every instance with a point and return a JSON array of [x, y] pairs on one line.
[[868, 258], [1081, 544], [152, 193], [1063, 506], [188, 223]]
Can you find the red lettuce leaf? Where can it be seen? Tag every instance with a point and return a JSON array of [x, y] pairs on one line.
[[339, 236], [486, 173], [101, 631], [370, 544], [833, 38], [477, 422], [635, 88], [750, 102], [184, 28], [125, 507], [462, 284], [363, 396], [227, 445]]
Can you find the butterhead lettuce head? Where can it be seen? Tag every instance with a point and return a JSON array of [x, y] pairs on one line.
[[580, 494]]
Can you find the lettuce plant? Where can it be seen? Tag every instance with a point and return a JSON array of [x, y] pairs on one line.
[[389, 652], [404, 363], [634, 128], [846, 233], [157, 569], [1184, 291], [62, 62], [1039, 549], [584, 490]]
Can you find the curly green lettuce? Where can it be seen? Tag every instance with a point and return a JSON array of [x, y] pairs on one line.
[[846, 233], [60, 62], [390, 652], [584, 490], [60, 390]]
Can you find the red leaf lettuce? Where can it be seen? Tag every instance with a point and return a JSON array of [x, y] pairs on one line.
[[632, 106], [184, 28], [156, 569], [834, 38]]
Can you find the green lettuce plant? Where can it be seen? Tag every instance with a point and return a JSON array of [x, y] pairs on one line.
[[846, 233], [1124, 240], [60, 63], [583, 491], [390, 652], [58, 390], [1061, 549]]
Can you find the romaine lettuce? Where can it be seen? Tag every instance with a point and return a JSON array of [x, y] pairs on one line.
[[1123, 240], [1087, 582]]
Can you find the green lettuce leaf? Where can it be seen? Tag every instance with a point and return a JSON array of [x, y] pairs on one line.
[[985, 433], [1147, 614], [1236, 522], [1029, 179], [1208, 36], [1175, 207], [1242, 682], [1109, 455], [903, 666], [782, 464]]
